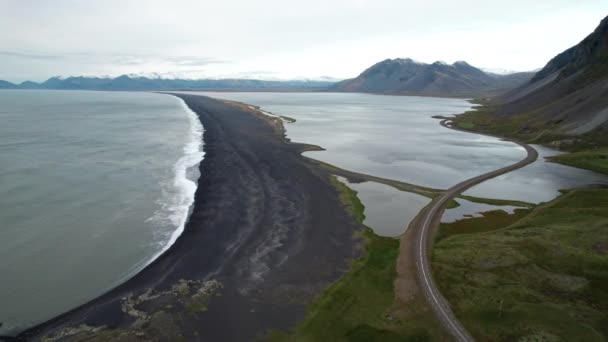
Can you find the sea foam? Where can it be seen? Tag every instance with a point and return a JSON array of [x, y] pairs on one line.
[[177, 206]]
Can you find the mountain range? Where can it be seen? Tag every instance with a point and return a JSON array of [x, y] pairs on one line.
[[401, 76], [126, 82], [569, 95], [404, 76]]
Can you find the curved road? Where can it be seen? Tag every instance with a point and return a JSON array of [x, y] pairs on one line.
[[429, 219]]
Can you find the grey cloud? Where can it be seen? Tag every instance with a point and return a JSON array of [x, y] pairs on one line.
[[292, 38], [122, 59], [193, 61], [29, 55]]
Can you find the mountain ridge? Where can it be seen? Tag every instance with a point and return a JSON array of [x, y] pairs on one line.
[[405, 76], [126, 82], [569, 95]]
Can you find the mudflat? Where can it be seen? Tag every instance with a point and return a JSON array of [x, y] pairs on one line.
[[266, 235]]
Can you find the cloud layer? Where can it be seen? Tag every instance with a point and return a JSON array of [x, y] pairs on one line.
[[280, 39]]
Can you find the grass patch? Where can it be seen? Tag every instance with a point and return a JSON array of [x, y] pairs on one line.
[[349, 200], [528, 127], [452, 204], [360, 177], [357, 307], [482, 120], [287, 119], [490, 220], [360, 305], [594, 160], [539, 276], [498, 202], [465, 124]]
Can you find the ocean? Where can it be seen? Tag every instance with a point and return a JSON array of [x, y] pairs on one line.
[[93, 187]]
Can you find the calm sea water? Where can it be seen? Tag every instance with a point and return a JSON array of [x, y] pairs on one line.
[[93, 186]]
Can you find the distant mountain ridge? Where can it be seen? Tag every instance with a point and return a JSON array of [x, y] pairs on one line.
[[126, 82], [404, 76], [401, 76], [7, 85], [570, 94]]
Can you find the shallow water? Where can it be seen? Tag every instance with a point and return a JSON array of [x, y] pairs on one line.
[[93, 185], [472, 209], [388, 211], [539, 181]]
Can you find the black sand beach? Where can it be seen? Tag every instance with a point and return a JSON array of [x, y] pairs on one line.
[[267, 233]]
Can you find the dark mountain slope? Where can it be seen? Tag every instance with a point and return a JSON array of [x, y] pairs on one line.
[[28, 85], [7, 85], [570, 94]]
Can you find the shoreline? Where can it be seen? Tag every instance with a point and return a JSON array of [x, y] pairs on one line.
[[248, 217], [192, 149]]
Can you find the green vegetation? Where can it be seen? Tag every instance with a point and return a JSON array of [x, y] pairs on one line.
[[489, 220], [533, 275], [492, 201], [465, 124], [360, 177], [523, 127], [452, 204], [357, 307], [595, 160], [349, 199], [287, 119], [527, 127], [481, 119], [360, 306]]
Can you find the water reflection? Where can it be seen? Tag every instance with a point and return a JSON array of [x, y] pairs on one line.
[[472, 209], [388, 211], [387, 136], [539, 181]]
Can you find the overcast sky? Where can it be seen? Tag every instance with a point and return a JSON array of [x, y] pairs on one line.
[[280, 38]]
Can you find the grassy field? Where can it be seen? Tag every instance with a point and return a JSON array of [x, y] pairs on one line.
[[481, 120], [498, 219], [595, 160], [529, 128], [360, 306], [531, 276]]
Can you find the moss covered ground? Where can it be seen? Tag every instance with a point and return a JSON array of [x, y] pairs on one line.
[[535, 276]]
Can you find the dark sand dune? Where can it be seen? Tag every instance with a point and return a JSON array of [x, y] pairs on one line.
[[266, 225]]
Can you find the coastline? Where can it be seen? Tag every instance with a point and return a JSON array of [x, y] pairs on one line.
[[271, 121], [192, 158], [235, 233]]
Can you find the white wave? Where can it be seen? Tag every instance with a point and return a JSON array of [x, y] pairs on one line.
[[177, 210]]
